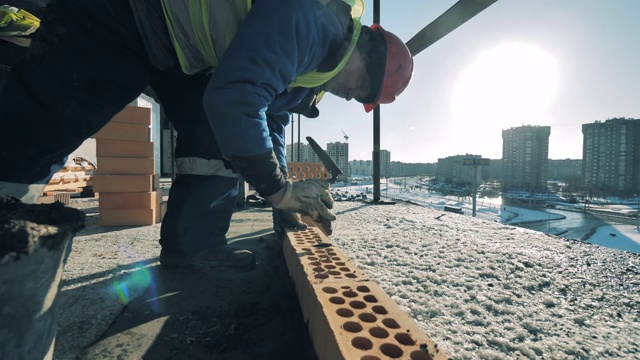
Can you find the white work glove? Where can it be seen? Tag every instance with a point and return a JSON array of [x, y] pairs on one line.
[[310, 197]]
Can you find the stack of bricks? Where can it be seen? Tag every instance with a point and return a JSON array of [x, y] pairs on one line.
[[349, 316], [125, 178]]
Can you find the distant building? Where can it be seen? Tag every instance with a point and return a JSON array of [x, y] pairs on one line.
[[361, 167], [611, 156], [525, 156], [444, 169], [306, 153], [400, 169], [493, 172], [339, 152], [451, 170], [565, 170], [365, 167], [396, 169]]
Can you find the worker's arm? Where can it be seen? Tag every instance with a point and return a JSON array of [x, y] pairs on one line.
[[276, 125], [278, 40], [282, 219]]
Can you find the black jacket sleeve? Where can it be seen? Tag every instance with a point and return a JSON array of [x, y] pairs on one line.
[[262, 171]]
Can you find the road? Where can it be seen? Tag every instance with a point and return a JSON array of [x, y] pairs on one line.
[[578, 224]]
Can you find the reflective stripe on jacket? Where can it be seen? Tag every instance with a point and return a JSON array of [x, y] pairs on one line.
[[16, 23]]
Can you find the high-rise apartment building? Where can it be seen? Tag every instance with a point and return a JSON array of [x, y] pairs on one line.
[[339, 153], [611, 156], [525, 156]]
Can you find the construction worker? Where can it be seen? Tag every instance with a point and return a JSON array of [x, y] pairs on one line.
[[227, 74]]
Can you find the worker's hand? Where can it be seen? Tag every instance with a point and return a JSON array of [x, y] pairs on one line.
[[286, 219], [310, 197]]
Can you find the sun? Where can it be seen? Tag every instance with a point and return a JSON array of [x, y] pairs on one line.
[[508, 85]]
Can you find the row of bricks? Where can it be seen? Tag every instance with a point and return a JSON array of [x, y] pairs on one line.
[[305, 170], [123, 146], [349, 316]]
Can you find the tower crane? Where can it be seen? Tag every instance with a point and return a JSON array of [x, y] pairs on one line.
[[346, 137]]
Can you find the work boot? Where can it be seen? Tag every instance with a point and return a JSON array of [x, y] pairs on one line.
[[199, 212], [219, 257]]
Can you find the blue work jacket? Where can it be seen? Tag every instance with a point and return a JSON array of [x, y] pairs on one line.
[[278, 41]]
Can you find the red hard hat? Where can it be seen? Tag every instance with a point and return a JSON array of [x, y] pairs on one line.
[[397, 72]]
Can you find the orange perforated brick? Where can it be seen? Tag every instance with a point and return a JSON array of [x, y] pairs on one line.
[[349, 316], [309, 254], [306, 170], [362, 322]]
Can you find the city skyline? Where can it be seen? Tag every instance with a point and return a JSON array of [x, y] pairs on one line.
[[550, 63]]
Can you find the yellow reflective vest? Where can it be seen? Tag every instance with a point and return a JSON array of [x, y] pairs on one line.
[[201, 31]]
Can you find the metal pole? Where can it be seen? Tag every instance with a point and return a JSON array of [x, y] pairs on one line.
[[473, 188], [376, 126], [292, 131], [299, 138]]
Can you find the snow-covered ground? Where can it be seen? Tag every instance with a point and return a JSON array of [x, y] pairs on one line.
[[485, 290], [621, 237], [627, 237]]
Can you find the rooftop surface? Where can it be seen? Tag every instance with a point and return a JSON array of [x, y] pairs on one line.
[[479, 288]]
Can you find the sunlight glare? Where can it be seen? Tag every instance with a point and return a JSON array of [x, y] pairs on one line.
[[509, 85]]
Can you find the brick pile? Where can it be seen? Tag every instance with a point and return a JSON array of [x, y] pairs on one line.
[[125, 179]]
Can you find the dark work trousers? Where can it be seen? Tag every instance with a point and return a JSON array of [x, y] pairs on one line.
[[200, 207], [86, 63]]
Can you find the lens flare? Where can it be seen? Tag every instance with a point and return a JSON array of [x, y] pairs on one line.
[[139, 279]]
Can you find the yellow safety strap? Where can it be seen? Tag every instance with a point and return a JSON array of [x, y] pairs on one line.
[[17, 22], [315, 78]]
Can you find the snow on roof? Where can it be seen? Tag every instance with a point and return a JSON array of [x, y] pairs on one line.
[[482, 289]]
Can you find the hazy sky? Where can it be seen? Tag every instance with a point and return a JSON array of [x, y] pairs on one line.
[[559, 63]]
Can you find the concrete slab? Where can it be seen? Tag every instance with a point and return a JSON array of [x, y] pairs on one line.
[[117, 303]]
